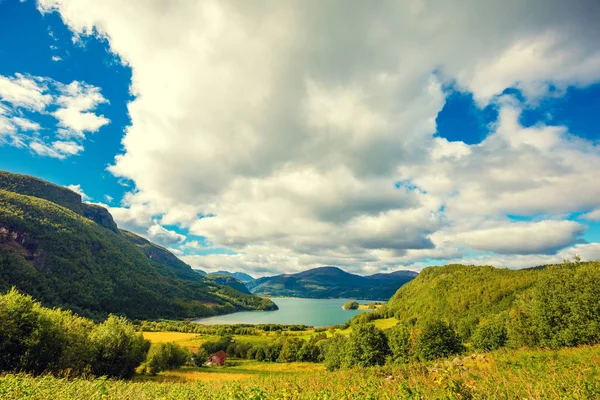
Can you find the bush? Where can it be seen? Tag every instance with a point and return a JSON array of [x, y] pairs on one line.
[[489, 336], [437, 340], [36, 339], [367, 346], [164, 357], [118, 348], [334, 352], [351, 305], [400, 343]]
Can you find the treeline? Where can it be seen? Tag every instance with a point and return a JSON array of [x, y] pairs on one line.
[[281, 349], [219, 330], [39, 340]]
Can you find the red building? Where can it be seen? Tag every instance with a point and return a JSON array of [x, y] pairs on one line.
[[218, 358]]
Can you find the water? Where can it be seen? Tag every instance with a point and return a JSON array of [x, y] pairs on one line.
[[315, 312]]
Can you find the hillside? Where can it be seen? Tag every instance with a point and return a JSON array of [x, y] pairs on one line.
[[331, 282], [240, 276], [71, 254], [470, 296]]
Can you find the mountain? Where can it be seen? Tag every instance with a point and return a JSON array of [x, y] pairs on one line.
[[71, 254], [331, 282], [229, 281], [240, 276]]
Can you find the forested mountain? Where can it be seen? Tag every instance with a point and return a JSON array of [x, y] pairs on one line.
[[331, 282], [551, 306], [240, 276], [71, 254]]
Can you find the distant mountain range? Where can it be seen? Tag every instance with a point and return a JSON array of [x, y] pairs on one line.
[[71, 254], [240, 276], [331, 282]]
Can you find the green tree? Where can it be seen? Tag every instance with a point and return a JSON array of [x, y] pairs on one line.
[[351, 305], [164, 357], [367, 346], [334, 351], [400, 343], [490, 336], [118, 348], [437, 340]]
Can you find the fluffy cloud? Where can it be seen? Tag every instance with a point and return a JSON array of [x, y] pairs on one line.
[[299, 134], [23, 98], [522, 237]]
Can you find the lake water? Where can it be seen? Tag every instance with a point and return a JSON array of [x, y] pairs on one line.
[[315, 312]]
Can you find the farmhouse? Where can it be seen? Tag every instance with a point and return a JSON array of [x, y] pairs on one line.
[[218, 358]]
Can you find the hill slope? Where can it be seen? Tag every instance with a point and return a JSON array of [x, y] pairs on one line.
[[69, 254], [240, 276], [331, 282]]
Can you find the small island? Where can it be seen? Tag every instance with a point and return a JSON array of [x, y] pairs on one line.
[[351, 305]]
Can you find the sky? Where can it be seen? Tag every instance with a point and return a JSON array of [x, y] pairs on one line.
[[275, 136]]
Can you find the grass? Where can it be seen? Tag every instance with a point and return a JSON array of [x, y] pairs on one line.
[[192, 341], [384, 324], [522, 374]]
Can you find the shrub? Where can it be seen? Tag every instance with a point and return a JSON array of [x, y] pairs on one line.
[[334, 351], [437, 340], [489, 336], [400, 343], [351, 305], [118, 348], [367, 346], [164, 357]]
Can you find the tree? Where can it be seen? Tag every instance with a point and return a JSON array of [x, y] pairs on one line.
[[400, 343], [164, 357], [351, 305], [334, 350], [490, 336], [118, 348], [367, 346], [437, 340]]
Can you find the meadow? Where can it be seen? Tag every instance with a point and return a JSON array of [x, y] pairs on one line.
[[572, 373]]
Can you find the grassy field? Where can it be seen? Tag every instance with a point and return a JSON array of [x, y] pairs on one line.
[[523, 374], [192, 341]]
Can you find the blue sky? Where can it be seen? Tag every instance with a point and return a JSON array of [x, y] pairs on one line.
[[242, 142]]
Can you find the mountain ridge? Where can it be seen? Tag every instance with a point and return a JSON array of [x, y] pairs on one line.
[[331, 282], [73, 256]]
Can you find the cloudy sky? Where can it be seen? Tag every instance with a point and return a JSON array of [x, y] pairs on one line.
[[276, 136]]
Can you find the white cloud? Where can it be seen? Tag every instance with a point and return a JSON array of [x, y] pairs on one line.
[[58, 149], [24, 91], [163, 236], [76, 100], [56, 58], [593, 215], [23, 98], [290, 126], [522, 237]]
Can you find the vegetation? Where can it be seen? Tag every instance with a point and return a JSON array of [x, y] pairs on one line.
[[331, 282], [522, 374], [437, 340], [50, 249], [164, 357], [240, 276], [40, 340], [351, 305]]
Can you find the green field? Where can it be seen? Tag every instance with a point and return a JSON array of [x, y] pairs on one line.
[[524, 374]]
